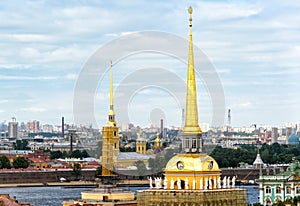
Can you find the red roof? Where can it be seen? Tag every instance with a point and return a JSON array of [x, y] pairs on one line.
[[36, 160], [8, 202], [93, 163]]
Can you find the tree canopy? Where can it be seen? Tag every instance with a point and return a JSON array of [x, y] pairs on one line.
[[20, 162], [4, 162], [141, 167], [73, 154], [21, 145], [270, 154]]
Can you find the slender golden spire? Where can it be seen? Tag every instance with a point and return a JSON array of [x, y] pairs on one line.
[[191, 115], [111, 87], [111, 113]]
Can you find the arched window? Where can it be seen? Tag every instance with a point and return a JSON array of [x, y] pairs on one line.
[[298, 190], [278, 190], [288, 190], [268, 190]]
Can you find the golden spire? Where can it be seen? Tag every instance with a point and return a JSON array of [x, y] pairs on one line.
[[191, 115], [111, 113]]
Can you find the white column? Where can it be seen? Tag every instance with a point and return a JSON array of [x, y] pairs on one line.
[[215, 183], [194, 183], [201, 183], [219, 183], [293, 189], [205, 183], [224, 182], [210, 184], [261, 193]]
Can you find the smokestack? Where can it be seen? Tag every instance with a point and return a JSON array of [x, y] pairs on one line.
[[63, 127], [161, 128], [72, 133]]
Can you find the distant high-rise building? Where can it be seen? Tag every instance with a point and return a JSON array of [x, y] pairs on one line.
[[33, 126], [274, 135], [13, 128], [3, 126], [47, 128], [22, 126], [288, 132]]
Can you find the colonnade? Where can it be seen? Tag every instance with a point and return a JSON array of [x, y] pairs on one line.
[[203, 183]]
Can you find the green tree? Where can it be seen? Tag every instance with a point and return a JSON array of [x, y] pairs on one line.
[[5, 163], [141, 168], [56, 154], [65, 154], [20, 162], [84, 154], [157, 164], [21, 145], [77, 170], [76, 154]]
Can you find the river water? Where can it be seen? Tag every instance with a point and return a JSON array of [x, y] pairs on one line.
[[54, 196]]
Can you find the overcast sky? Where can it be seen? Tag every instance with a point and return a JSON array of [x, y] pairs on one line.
[[253, 45]]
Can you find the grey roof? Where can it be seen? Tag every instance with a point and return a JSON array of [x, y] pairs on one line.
[[258, 160], [133, 156]]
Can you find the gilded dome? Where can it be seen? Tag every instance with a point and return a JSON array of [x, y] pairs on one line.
[[192, 163]]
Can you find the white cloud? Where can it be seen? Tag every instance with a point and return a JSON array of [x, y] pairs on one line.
[[71, 76], [226, 10], [32, 109], [30, 37], [3, 101], [6, 77]]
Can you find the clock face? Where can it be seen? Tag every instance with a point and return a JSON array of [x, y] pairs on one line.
[[210, 165], [180, 165]]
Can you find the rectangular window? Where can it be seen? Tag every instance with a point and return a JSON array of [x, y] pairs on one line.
[[268, 190], [298, 190], [288, 190], [194, 143]]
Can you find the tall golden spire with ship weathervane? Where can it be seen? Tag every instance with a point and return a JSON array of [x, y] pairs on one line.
[[191, 118], [191, 133]]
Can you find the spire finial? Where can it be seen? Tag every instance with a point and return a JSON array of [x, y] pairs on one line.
[[190, 10]]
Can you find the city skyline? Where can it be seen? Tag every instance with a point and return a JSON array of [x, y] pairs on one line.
[[254, 46]]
